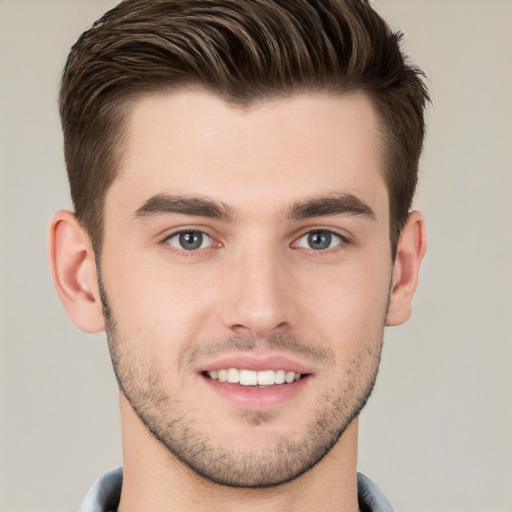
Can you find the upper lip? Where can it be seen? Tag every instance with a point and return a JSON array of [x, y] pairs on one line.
[[256, 362]]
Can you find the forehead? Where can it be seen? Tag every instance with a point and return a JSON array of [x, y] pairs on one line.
[[272, 153]]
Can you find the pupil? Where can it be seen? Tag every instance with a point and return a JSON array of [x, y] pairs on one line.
[[319, 240], [191, 240]]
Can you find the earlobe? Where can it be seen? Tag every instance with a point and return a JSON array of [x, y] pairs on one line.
[[73, 268], [410, 251]]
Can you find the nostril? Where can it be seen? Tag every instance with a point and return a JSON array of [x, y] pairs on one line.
[[258, 330], [241, 329]]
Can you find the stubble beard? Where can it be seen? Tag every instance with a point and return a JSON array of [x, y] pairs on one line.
[[172, 422]]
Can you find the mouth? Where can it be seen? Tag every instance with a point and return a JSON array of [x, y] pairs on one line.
[[257, 383], [260, 379]]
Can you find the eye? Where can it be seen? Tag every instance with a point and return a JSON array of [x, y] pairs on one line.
[[189, 240], [320, 240]]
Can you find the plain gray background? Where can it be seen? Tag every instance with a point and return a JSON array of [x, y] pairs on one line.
[[436, 435]]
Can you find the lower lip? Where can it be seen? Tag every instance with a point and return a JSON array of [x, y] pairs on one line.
[[257, 398]]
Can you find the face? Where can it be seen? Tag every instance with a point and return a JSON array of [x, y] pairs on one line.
[[246, 270]]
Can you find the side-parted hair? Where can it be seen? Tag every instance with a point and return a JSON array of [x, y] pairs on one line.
[[244, 51]]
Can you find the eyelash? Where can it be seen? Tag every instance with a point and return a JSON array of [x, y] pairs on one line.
[[183, 251], [343, 241], [342, 244]]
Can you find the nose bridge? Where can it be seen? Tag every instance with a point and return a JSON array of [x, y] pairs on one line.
[[256, 300]]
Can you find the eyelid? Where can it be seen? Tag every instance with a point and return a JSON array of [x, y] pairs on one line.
[[207, 239], [344, 239], [167, 233], [188, 229]]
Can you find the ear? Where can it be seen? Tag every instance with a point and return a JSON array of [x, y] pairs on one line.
[[411, 248], [73, 269]]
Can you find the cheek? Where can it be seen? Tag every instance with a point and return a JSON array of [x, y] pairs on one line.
[[157, 302], [348, 306]]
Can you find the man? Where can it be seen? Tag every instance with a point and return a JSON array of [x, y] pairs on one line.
[[242, 173]]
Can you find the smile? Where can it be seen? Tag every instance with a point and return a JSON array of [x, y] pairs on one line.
[[253, 378]]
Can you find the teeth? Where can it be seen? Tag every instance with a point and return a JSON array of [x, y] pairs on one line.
[[289, 377], [280, 377], [233, 375], [248, 378], [252, 378], [265, 378]]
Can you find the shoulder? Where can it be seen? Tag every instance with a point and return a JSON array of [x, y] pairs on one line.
[[370, 496], [105, 493]]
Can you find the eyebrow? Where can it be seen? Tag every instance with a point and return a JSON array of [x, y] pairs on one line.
[[321, 206], [330, 205], [162, 204]]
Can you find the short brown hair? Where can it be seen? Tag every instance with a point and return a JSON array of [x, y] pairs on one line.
[[243, 51]]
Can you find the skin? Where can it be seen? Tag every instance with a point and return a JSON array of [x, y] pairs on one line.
[[256, 286]]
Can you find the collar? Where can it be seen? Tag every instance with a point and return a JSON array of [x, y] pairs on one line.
[[105, 493]]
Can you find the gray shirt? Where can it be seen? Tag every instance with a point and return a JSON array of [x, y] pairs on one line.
[[106, 491]]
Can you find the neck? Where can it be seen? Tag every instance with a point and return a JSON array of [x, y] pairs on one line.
[[156, 480]]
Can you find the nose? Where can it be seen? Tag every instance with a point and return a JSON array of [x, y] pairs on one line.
[[258, 297]]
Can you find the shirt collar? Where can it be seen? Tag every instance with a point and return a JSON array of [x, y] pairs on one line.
[[105, 493]]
